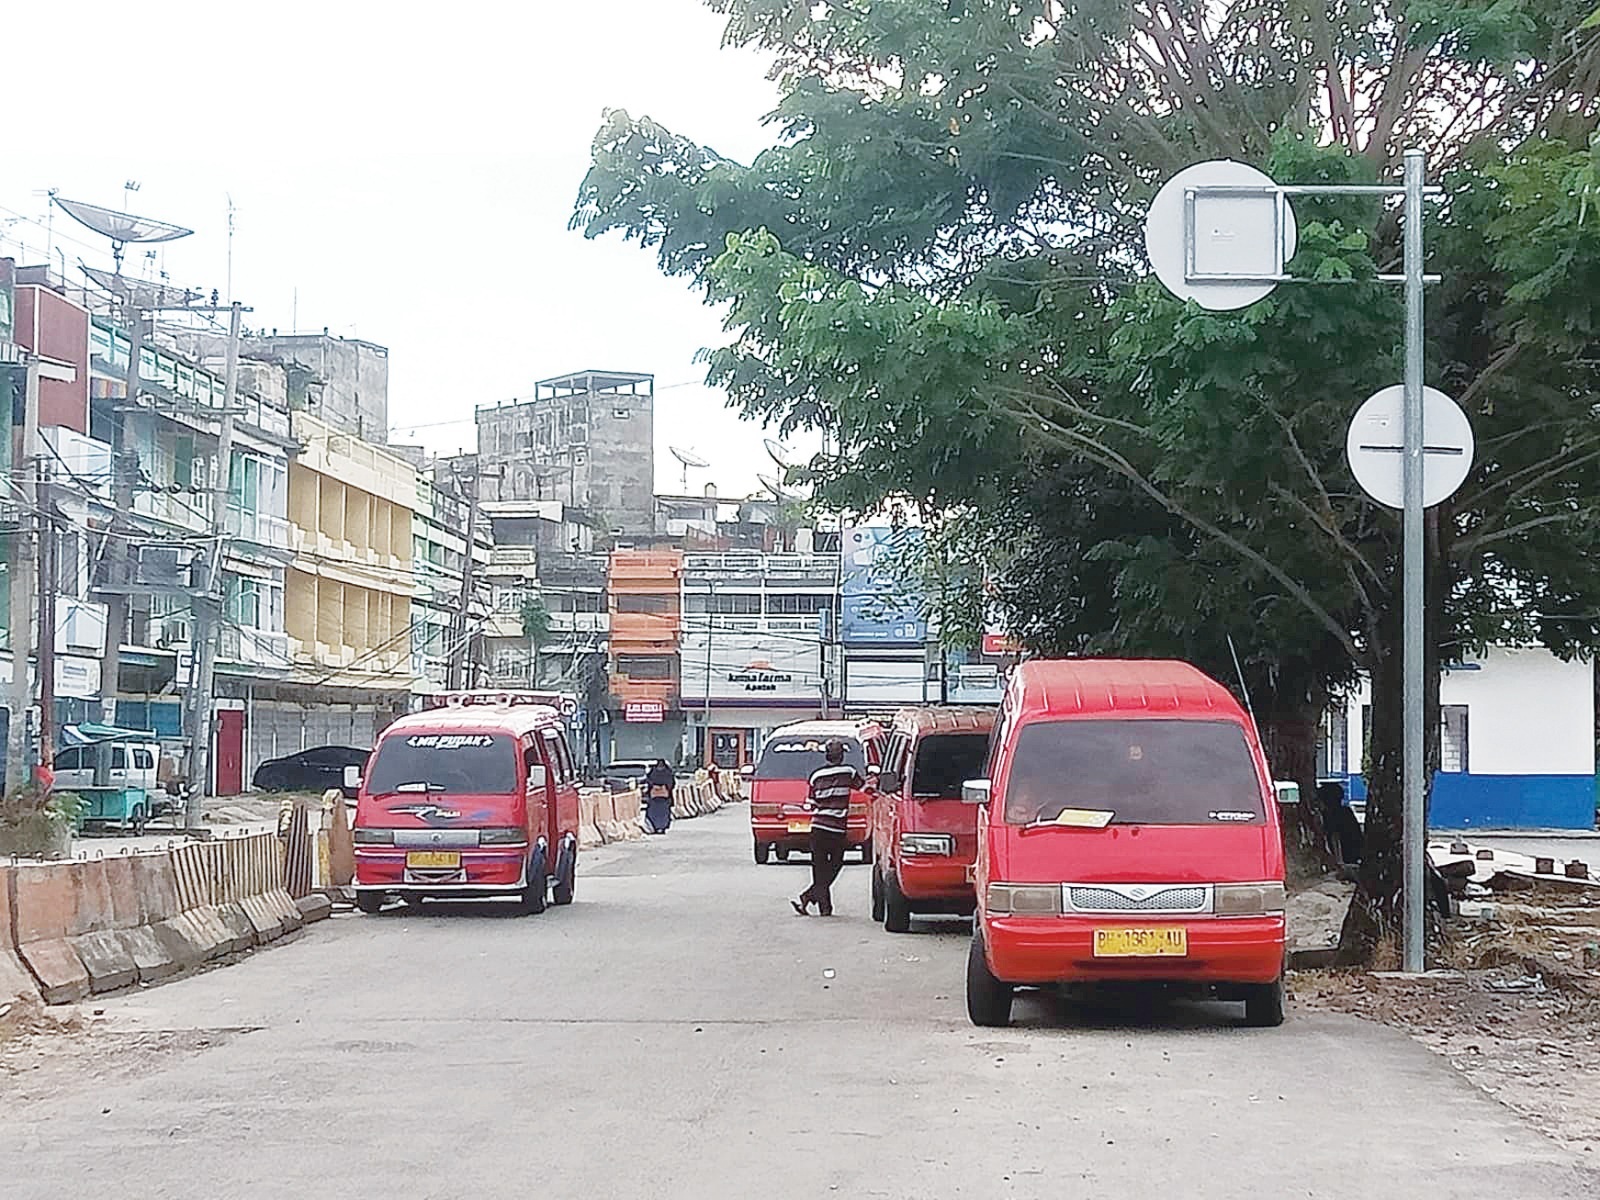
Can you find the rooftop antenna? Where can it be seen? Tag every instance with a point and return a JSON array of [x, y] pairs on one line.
[[120, 227], [689, 459], [231, 211]]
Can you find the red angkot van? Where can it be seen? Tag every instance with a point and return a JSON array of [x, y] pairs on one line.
[[477, 799], [925, 837], [1127, 830], [779, 820]]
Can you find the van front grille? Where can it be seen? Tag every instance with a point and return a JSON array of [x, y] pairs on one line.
[[1140, 898]]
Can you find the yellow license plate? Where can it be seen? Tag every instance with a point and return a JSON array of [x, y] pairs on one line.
[[1167, 942], [800, 826], [433, 859]]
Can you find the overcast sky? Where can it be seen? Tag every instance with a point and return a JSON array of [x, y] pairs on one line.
[[408, 170]]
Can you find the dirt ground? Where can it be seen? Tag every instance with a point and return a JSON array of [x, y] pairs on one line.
[[1515, 1005]]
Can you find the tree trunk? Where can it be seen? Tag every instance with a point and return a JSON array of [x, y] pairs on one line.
[[1372, 927], [1290, 742]]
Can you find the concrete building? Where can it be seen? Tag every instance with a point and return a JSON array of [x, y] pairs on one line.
[[753, 650], [586, 440], [645, 597], [349, 593], [343, 382], [439, 525], [1517, 742]]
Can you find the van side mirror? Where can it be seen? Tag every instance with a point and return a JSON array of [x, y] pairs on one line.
[[352, 778], [888, 782], [975, 791], [1286, 791]]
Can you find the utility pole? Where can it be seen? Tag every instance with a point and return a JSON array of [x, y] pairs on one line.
[[118, 572], [48, 584], [19, 765], [461, 664], [207, 602], [711, 624]]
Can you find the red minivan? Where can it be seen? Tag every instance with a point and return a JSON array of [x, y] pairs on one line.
[[475, 800], [924, 835], [1127, 831], [780, 822]]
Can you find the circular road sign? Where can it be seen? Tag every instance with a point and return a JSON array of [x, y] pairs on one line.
[[1233, 235], [1375, 447]]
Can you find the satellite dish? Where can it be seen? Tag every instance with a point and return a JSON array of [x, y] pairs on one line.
[[689, 459], [120, 227], [776, 451], [1215, 220], [773, 486]]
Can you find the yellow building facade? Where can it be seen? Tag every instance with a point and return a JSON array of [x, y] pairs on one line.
[[348, 592]]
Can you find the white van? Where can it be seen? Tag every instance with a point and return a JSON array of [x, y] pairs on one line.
[[133, 765]]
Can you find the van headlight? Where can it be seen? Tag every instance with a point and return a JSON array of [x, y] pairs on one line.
[[1247, 899], [374, 837], [1024, 899], [502, 837], [927, 843]]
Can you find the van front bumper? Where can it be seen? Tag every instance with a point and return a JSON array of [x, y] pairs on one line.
[[1043, 950], [384, 869], [775, 831]]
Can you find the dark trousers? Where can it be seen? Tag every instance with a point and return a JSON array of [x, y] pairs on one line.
[[827, 858]]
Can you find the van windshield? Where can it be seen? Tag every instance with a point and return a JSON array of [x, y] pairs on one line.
[[478, 764], [1143, 772], [945, 761], [798, 757]]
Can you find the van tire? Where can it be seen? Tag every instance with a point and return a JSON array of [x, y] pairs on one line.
[[988, 999], [535, 894], [877, 895], [137, 820], [1263, 1005], [370, 903], [896, 908], [763, 852], [781, 853], [566, 884]]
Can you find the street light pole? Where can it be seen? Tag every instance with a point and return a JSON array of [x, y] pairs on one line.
[[23, 562], [1414, 790]]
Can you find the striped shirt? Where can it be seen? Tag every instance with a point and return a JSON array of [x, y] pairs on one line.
[[830, 797]]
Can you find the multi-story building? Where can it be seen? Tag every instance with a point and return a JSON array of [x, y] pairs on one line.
[[587, 440], [439, 525], [753, 649], [343, 382], [349, 591], [645, 599]]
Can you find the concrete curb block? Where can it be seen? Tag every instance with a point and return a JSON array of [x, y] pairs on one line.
[[150, 957], [315, 907], [57, 969], [107, 960], [234, 920]]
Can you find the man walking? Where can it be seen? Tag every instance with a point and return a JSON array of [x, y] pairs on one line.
[[829, 802]]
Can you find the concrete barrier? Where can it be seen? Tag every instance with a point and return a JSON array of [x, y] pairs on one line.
[[98, 925], [17, 988], [589, 835]]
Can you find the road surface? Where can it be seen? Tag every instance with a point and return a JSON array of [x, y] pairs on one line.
[[680, 1032]]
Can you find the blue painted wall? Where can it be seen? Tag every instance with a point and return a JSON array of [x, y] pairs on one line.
[[1504, 801]]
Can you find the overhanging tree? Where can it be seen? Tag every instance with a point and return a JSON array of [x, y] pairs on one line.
[[939, 262]]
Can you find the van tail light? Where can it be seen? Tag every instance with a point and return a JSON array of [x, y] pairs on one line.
[[502, 837], [1247, 899], [374, 837], [1024, 899]]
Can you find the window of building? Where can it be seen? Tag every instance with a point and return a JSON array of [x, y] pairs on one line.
[[645, 604], [1453, 738], [803, 604], [645, 666], [724, 603]]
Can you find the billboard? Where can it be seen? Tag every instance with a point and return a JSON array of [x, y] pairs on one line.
[[750, 668], [876, 607]]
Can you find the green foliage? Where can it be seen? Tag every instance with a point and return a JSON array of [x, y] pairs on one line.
[[535, 619]]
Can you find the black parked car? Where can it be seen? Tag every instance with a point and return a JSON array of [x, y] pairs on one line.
[[314, 770]]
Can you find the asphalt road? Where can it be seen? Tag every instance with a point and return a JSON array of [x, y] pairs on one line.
[[679, 1032]]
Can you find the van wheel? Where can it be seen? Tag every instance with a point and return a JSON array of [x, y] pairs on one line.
[[1263, 1005], [535, 896], [877, 895], [137, 820], [763, 852], [988, 999], [370, 903], [782, 853], [896, 908], [566, 879]]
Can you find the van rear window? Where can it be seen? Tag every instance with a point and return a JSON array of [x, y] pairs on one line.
[[797, 758], [945, 761], [1144, 772], [459, 764]]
